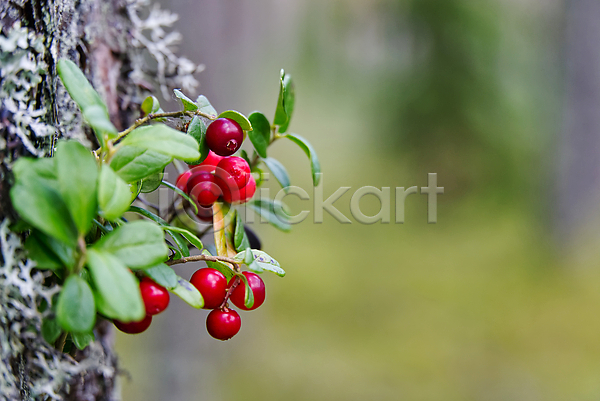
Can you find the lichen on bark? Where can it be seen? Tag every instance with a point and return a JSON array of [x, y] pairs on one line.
[[111, 41]]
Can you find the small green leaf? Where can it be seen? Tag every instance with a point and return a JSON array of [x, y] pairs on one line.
[[197, 130], [248, 293], [76, 310], [279, 171], [114, 195], [39, 252], [77, 174], [50, 330], [312, 155], [288, 101], [117, 291], [273, 215], [138, 244], [190, 294], [205, 107], [163, 139], [238, 118], [162, 275], [82, 340], [38, 202], [134, 189], [188, 104], [220, 266], [260, 136], [97, 118], [52, 246], [177, 238], [133, 163], [152, 182], [191, 237], [240, 239], [262, 261], [150, 105]]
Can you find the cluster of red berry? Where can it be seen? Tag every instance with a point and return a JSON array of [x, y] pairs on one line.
[[223, 323], [220, 174]]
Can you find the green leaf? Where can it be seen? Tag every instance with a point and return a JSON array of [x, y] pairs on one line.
[[162, 275], [138, 244], [77, 175], [76, 310], [260, 136], [188, 104], [279, 171], [197, 130], [249, 294], [182, 194], [134, 163], [39, 252], [220, 266], [81, 91], [240, 239], [165, 140], [117, 291], [82, 340], [238, 118], [191, 237], [205, 107], [150, 105], [262, 261], [50, 330], [190, 294], [52, 246], [152, 182], [288, 101], [273, 215], [114, 195], [312, 155], [38, 202], [179, 240]]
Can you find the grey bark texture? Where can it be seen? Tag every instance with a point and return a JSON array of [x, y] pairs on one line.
[[125, 48]]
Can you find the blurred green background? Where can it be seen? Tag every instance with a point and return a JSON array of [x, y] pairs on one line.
[[499, 300]]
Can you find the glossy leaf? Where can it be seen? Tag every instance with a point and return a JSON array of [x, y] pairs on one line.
[[99, 120], [190, 294], [288, 101], [165, 140], [76, 310], [279, 172], [43, 256], [249, 294], [152, 182], [177, 238], [50, 330], [117, 291], [39, 203], [182, 194], [240, 240], [133, 163], [150, 105], [114, 195], [197, 130], [220, 266], [262, 261], [162, 275], [55, 247], [191, 237], [315, 166], [238, 117], [260, 136], [273, 215], [82, 340], [138, 244], [205, 107], [188, 104]]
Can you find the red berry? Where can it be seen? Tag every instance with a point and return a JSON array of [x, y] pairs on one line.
[[258, 290], [224, 136], [237, 167], [212, 284], [211, 160], [229, 188], [202, 187], [156, 297], [248, 191], [134, 327], [182, 180], [223, 324]]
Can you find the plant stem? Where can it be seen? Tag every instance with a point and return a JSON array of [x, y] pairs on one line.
[[236, 282], [198, 258], [60, 343]]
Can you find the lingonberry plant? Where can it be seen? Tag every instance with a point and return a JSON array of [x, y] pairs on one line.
[[73, 205]]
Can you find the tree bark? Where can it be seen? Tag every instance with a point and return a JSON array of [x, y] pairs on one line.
[[107, 39]]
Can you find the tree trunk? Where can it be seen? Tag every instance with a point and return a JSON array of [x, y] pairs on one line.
[[112, 45]]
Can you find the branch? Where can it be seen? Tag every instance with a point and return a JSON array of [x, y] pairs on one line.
[[198, 258]]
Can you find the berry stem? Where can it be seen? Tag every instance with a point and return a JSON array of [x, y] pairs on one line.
[[199, 258], [235, 283]]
